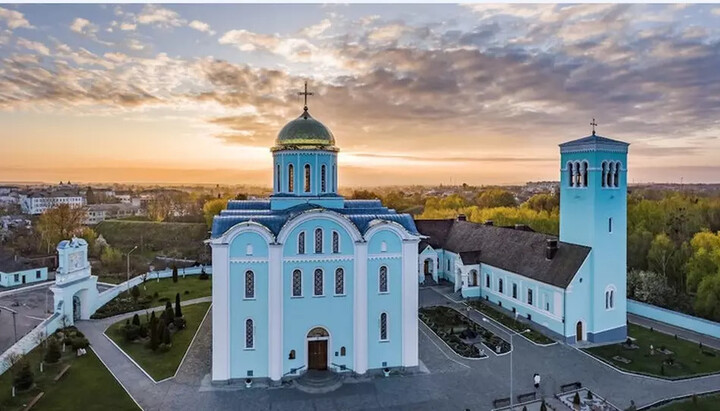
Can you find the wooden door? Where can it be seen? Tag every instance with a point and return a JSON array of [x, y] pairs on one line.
[[579, 331], [317, 355]]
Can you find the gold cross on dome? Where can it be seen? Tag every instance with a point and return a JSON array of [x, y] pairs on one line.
[[593, 124], [305, 94]]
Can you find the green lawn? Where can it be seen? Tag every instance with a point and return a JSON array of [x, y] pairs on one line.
[[688, 358], [190, 287], [510, 322], [708, 403], [161, 364], [87, 386]]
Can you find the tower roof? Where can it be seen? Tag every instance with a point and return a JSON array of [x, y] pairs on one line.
[[594, 142], [305, 132]]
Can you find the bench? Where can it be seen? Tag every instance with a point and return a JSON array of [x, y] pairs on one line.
[[61, 373], [501, 402], [527, 397], [572, 386], [34, 401]]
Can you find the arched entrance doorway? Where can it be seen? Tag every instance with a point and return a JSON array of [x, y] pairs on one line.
[[317, 348], [579, 331], [428, 266], [77, 308]]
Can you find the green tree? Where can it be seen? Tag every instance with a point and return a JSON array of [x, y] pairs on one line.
[[364, 195], [166, 339], [649, 287], [178, 309], [543, 202], [707, 301], [135, 294], [213, 208], [175, 274], [666, 258], [53, 354], [24, 378], [111, 259], [136, 320], [495, 197], [154, 336], [638, 244], [705, 258]]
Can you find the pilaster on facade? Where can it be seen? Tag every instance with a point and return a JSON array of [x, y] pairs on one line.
[[221, 313], [360, 313], [409, 304], [275, 310]]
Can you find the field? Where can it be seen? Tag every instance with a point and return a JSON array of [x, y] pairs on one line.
[[171, 239]]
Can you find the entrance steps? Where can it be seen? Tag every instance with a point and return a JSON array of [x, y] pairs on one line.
[[318, 382]]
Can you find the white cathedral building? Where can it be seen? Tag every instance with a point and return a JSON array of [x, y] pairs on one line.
[[308, 280]]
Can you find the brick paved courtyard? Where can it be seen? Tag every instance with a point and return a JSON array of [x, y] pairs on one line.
[[445, 381]]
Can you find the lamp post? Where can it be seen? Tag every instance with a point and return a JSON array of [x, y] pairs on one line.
[[14, 313], [128, 267], [512, 348]]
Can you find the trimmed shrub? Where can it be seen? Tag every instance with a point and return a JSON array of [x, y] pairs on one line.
[[135, 293], [175, 274], [24, 378], [136, 320], [178, 309], [576, 399], [53, 354], [179, 323], [79, 342]]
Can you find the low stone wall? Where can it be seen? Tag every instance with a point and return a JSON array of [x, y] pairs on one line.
[[677, 319]]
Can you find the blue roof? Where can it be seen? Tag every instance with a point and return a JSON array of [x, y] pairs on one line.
[[594, 142], [359, 212]]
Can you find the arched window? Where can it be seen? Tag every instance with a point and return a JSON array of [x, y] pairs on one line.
[[530, 297], [297, 283], [249, 334], [292, 355], [585, 174], [608, 177], [301, 242], [616, 175], [339, 281], [335, 242], [249, 249], [291, 178], [473, 278], [277, 176], [570, 177], [610, 297], [318, 240], [323, 183], [383, 279], [578, 175], [383, 247], [343, 351], [307, 178], [604, 174], [249, 284], [500, 286], [318, 288], [383, 327]]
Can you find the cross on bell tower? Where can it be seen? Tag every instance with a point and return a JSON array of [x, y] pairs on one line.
[[593, 123], [305, 94]]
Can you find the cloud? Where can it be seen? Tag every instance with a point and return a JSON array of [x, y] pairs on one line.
[[316, 29], [128, 26], [201, 26], [716, 11], [14, 19], [34, 46], [81, 25], [160, 17]]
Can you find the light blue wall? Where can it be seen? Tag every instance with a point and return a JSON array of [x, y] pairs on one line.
[[699, 325], [584, 219], [334, 313], [242, 360], [537, 310], [447, 257], [386, 353], [31, 276], [316, 159], [432, 255], [577, 296]]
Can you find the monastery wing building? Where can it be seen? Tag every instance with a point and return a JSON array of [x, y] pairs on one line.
[[574, 285], [308, 280]]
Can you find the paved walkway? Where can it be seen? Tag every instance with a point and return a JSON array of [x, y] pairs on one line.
[[449, 382], [672, 330]]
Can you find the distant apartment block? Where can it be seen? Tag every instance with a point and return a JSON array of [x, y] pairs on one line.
[[97, 213], [36, 202]]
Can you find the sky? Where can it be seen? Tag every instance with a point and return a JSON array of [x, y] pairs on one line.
[[414, 94]]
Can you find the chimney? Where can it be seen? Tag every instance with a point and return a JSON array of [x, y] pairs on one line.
[[488, 222], [461, 217], [551, 248]]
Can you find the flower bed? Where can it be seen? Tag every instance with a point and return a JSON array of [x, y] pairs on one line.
[[510, 322], [585, 400], [458, 332]]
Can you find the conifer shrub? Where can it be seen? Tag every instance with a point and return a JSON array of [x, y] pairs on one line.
[[53, 354], [136, 320], [24, 378], [576, 399], [178, 308]]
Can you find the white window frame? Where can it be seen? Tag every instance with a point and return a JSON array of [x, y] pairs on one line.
[[249, 249], [610, 291]]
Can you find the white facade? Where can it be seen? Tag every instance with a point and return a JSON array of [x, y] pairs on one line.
[[39, 202]]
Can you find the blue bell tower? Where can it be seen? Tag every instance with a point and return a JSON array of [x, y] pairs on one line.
[[305, 164], [593, 212]]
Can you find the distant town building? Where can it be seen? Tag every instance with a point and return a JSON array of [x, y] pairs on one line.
[[97, 213], [37, 202], [15, 270]]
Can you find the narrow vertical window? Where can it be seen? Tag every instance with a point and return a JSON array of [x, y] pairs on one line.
[[383, 327], [297, 283], [612, 294], [500, 286], [291, 178], [334, 178], [335, 242], [323, 182], [307, 178], [514, 292], [249, 334], [383, 279], [343, 351], [383, 247], [249, 284], [585, 174], [318, 240], [604, 174], [301, 242], [249, 249], [339, 281], [530, 297], [610, 225], [570, 177], [607, 299], [616, 175], [487, 280], [318, 288], [277, 176]]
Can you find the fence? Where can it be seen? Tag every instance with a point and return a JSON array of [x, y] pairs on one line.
[[54, 322], [674, 318]]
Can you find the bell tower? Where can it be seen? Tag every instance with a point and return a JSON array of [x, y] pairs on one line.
[[593, 213]]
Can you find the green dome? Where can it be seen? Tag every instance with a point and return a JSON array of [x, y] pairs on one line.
[[305, 132]]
